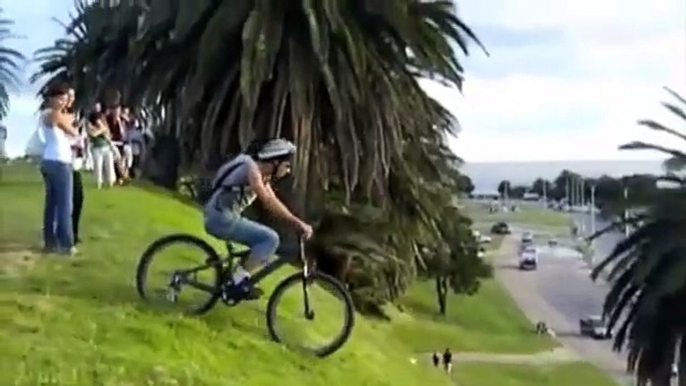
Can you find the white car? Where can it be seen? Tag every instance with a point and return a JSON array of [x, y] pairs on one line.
[[481, 238], [528, 258], [595, 327]]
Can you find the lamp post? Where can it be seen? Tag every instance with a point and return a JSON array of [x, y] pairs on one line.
[[626, 210], [592, 209]]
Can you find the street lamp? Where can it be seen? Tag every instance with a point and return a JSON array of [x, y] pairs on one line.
[[626, 210], [592, 209]]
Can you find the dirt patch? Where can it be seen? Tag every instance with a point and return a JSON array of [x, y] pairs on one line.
[[16, 259]]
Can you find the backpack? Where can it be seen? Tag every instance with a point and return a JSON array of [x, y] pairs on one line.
[[206, 189]]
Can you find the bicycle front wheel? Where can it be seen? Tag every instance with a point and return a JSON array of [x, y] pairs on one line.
[[315, 315], [180, 271]]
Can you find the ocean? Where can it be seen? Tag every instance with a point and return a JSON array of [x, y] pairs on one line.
[[487, 175]]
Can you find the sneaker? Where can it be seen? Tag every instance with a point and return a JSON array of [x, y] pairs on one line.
[[67, 251], [247, 291], [49, 250]]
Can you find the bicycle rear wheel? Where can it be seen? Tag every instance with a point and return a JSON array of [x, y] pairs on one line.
[[193, 268], [322, 307]]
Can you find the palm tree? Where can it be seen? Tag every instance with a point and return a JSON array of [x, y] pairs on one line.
[[648, 275], [10, 65], [340, 78]]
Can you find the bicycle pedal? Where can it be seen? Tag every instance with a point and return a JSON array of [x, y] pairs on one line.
[[229, 294]]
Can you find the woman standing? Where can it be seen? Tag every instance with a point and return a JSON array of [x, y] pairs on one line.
[[118, 136], [56, 167], [103, 158], [78, 155]]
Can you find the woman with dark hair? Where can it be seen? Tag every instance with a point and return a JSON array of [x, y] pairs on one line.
[[56, 166]]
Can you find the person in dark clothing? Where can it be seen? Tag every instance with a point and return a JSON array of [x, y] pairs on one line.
[[77, 205], [436, 359], [78, 149], [448, 361]]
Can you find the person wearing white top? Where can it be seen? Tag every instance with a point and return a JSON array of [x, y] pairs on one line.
[[56, 168]]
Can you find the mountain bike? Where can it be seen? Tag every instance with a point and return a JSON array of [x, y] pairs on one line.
[[220, 287]]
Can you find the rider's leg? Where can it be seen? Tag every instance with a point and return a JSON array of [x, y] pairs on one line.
[[262, 240]]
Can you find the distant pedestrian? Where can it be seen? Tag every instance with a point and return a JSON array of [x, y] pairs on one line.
[[436, 359], [448, 361]]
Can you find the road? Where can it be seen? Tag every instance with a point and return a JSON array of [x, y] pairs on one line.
[[559, 293], [603, 245]]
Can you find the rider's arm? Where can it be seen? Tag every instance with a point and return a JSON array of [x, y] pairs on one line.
[[267, 196]]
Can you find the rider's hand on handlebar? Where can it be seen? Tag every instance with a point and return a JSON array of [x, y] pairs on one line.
[[305, 230]]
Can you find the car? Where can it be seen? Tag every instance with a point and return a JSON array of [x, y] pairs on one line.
[[595, 327], [528, 258], [481, 238], [500, 228], [527, 238], [553, 243]]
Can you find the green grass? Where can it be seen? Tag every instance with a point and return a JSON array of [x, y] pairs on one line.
[[568, 374], [78, 321], [526, 214], [488, 321]]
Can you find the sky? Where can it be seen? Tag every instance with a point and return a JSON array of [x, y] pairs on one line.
[[565, 80]]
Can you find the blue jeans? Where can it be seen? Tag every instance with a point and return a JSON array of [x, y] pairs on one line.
[[262, 240], [59, 188]]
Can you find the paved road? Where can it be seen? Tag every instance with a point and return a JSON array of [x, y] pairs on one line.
[[560, 292], [604, 244]]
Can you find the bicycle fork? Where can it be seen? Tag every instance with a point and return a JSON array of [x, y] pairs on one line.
[[309, 313]]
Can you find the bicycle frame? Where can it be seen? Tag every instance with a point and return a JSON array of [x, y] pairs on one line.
[[261, 274]]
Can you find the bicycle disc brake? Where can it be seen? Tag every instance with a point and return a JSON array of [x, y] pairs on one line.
[[174, 287]]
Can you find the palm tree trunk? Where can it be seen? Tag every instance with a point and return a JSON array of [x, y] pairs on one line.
[[303, 138], [442, 294]]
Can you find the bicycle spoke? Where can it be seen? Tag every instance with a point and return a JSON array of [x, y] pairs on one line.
[[201, 286], [164, 277], [317, 318]]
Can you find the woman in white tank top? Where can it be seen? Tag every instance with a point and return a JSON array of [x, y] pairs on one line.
[[56, 167]]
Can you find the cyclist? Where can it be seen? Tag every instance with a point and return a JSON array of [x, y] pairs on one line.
[[237, 184]]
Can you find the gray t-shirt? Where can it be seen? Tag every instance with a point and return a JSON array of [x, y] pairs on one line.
[[235, 194]]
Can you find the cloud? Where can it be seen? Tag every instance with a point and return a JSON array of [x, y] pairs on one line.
[[21, 122], [36, 29], [567, 80], [575, 15]]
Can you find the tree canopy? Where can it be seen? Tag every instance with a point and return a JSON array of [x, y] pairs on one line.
[[647, 271], [339, 78], [11, 62]]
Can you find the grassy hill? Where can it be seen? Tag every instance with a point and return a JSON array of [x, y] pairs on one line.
[[78, 321]]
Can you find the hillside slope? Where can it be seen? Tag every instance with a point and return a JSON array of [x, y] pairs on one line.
[[78, 321]]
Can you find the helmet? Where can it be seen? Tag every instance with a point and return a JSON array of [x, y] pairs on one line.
[[276, 148]]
